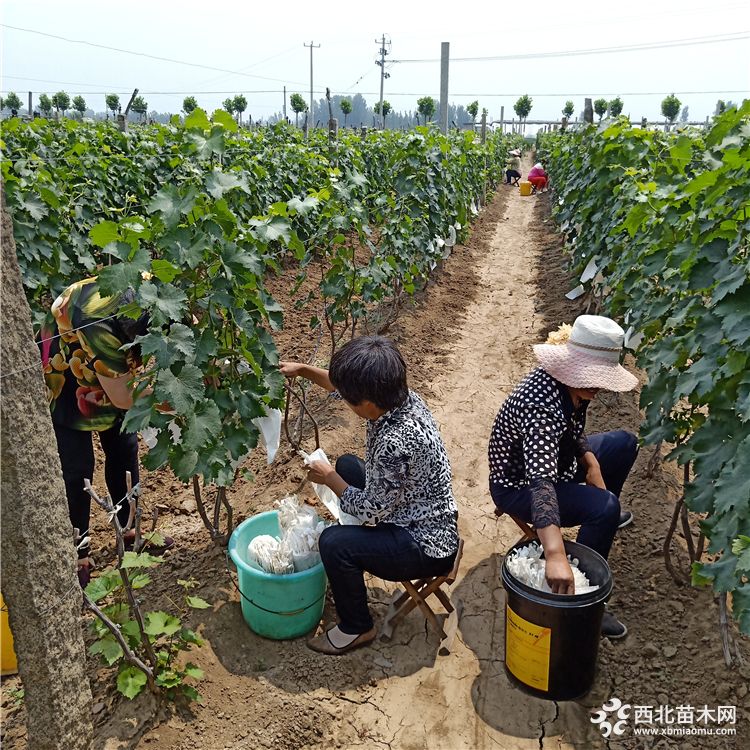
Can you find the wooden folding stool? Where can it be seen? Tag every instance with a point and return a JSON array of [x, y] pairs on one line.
[[416, 593], [529, 532]]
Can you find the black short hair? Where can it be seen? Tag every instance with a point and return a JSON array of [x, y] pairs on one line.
[[129, 328], [370, 368], [133, 327]]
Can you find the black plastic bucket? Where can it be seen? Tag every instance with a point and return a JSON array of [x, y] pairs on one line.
[[552, 640]]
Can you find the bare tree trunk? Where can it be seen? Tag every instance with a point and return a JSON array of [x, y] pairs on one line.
[[39, 560]]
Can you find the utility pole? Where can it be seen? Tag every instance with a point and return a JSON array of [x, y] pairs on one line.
[[588, 111], [444, 60], [122, 119], [284, 103], [383, 75], [311, 46]]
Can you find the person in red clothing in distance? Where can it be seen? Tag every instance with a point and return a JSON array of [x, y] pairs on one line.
[[538, 178]]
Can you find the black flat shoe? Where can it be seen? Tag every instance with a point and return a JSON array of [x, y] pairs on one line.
[[612, 628], [626, 518]]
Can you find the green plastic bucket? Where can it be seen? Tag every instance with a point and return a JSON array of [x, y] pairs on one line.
[[275, 606]]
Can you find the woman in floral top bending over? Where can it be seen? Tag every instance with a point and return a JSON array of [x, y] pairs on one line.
[[87, 374]]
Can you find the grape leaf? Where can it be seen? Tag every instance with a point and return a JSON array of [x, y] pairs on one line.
[[109, 649], [160, 623], [183, 390], [131, 681]]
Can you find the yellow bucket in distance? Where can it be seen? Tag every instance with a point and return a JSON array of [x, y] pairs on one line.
[[525, 187], [8, 663]]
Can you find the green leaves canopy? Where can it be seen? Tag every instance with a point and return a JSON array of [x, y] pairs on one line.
[[298, 103], [600, 107], [113, 102], [426, 107], [667, 220], [670, 107], [195, 215], [523, 106]]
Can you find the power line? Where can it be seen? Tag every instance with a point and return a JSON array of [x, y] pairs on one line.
[[582, 93], [578, 22], [364, 75], [193, 92], [64, 83], [127, 90], [716, 39], [144, 54], [253, 65]]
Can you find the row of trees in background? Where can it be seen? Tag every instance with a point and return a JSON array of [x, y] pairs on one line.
[[355, 111], [355, 106], [671, 107], [234, 105], [299, 105], [61, 102], [602, 107]]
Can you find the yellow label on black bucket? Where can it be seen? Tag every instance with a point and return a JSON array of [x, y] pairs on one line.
[[527, 650]]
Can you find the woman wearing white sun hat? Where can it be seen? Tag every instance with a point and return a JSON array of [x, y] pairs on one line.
[[513, 172], [544, 469]]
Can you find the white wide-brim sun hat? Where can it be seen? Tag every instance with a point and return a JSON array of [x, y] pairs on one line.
[[590, 358]]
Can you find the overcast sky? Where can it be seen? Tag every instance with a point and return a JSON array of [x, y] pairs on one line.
[[262, 42]]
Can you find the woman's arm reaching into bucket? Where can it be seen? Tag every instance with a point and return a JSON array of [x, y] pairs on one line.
[[557, 570]]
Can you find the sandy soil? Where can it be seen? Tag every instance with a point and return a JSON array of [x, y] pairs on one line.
[[467, 341]]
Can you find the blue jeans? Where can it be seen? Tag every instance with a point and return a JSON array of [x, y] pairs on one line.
[[386, 550], [596, 511]]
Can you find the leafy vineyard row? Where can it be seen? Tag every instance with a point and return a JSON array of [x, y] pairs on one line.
[[195, 215], [659, 223]]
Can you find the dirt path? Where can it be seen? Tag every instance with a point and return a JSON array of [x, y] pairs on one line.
[[467, 342], [465, 700], [672, 655]]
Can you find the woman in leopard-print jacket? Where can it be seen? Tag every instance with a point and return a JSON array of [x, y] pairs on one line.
[[401, 492]]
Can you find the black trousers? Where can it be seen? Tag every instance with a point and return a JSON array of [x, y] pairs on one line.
[[385, 550], [596, 511], [76, 449]]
